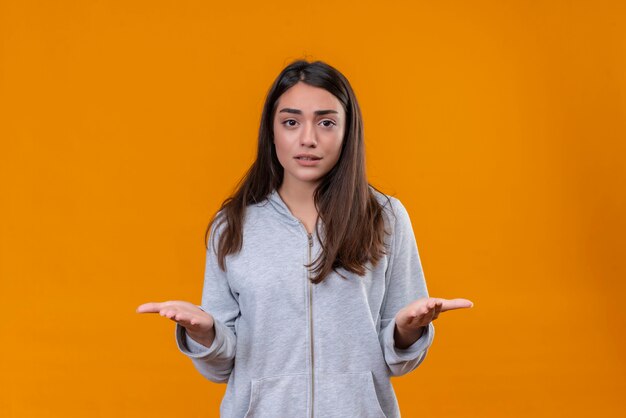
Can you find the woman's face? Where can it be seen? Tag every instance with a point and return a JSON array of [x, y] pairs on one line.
[[308, 132]]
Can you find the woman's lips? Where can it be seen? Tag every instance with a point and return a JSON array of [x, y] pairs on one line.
[[307, 161]]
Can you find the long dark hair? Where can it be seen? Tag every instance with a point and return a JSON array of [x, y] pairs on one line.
[[350, 213]]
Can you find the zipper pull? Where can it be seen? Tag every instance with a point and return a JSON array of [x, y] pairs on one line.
[[310, 240]]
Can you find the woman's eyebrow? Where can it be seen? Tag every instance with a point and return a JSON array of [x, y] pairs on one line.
[[299, 112]]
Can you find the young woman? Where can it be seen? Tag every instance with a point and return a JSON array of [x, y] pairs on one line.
[[314, 294]]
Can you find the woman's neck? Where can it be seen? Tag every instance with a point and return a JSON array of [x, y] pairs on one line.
[[299, 199]]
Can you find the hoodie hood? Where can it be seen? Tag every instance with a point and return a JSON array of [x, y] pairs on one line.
[[281, 208]]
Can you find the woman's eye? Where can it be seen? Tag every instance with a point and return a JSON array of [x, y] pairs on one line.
[[291, 123]]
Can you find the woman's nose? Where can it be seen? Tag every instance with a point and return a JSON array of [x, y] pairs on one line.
[[308, 138]]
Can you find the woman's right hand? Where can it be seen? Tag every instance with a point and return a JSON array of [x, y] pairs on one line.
[[198, 323]]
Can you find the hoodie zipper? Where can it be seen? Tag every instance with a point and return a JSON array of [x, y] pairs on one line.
[[310, 237]]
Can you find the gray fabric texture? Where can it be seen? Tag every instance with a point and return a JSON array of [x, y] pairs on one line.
[[282, 356]]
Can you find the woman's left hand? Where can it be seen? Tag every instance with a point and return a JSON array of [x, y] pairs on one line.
[[412, 318]]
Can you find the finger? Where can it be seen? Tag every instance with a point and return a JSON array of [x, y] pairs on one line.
[[429, 313], [438, 307], [151, 307], [432, 314], [182, 317], [168, 313], [434, 305], [448, 305], [431, 304]]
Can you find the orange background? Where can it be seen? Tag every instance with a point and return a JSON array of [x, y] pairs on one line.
[[501, 127]]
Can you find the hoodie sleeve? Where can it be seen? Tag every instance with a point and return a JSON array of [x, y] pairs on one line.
[[404, 284], [216, 361]]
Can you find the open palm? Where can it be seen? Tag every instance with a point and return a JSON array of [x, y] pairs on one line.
[[198, 323], [420, 312]]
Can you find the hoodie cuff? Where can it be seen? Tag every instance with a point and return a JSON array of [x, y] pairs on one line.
[[194, 349], [415, 350]]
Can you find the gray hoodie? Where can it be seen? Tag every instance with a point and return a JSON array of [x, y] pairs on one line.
[[290, 348]]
